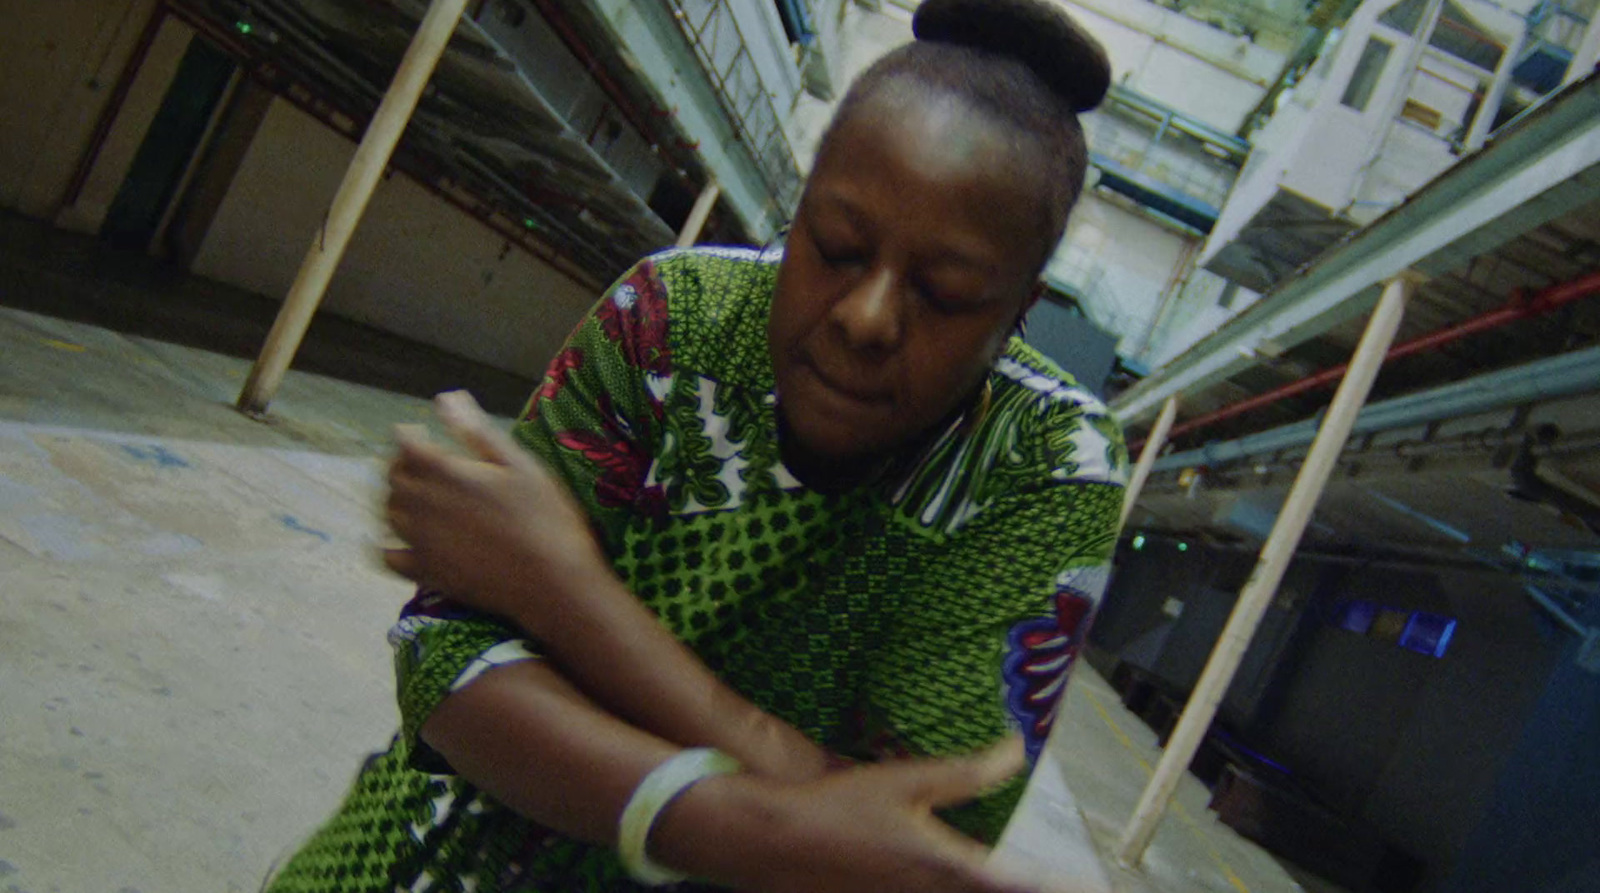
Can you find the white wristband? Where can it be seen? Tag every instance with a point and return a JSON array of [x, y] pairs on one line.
[[664, 783]]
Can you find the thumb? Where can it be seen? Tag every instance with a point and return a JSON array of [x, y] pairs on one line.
[[959, 779], [472, 428]]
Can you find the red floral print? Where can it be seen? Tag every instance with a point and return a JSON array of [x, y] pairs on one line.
[[635, 317]]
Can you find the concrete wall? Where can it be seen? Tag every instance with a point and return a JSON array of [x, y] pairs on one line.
[[417, 267], [1196, 312], [1410, 744], [1189, 65], [59, 63], [865, 36], [1407, 744], [1539, 831], [1123, 262]]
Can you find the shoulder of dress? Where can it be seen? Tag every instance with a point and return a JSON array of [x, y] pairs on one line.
[[1076, 436], [685, 273], [718, 299]]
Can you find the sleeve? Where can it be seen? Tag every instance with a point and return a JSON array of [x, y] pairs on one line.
[[594, 421], [989, 630]]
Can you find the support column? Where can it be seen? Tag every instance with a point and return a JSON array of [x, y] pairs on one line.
[[1489, 109], [1147, 457], [1274, 560], [699, 213], [360, 180], [1588, 54]]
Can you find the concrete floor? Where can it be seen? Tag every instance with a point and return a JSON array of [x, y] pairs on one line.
[[191, 647]]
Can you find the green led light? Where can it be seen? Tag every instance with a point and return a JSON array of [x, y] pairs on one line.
[[1183, 547], [244, 27], [1138, 542], [529, 223]]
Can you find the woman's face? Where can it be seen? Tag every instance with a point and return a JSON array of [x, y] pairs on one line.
[[913, 254]]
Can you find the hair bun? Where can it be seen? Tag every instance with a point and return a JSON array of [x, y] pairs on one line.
[[1037, 33]]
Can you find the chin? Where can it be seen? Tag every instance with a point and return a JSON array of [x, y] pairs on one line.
[[828, 439], [820, 436]]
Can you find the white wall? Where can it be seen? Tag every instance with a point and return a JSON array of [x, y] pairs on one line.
[[864, 37], [417, 267], [1189, 65], [1194, 314], [58, 65], [1131, 260]]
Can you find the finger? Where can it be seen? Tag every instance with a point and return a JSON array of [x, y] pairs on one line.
[[988, 880], [414, 453], [408, 433], [959, 779], [399, 520], [404, 562], [472, 428], [1032, 878], [963, 865]]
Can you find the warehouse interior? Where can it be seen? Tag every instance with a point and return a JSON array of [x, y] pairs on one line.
[[192, 661]]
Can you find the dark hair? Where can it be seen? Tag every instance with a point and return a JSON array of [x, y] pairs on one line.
[[1026, 63]]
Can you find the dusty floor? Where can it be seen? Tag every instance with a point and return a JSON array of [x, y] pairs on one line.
[[191, 628]]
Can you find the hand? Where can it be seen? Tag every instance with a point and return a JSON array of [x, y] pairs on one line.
[[866, 830], [487, 530]]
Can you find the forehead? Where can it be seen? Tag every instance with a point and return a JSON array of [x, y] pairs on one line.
[[940, 157]]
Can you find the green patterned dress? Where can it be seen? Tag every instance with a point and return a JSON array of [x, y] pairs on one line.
[[928, 614]]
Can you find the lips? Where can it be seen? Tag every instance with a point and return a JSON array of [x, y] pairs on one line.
[[841, 387]]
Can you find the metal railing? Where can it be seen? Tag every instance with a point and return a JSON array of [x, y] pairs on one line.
[[724, 54], [1560, 23]]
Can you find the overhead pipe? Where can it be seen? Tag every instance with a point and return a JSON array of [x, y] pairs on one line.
[[1552, 378], [1519, 308]]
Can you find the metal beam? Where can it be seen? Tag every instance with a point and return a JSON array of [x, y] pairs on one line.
[[650, 42], [1564, 375], [1542, 168]]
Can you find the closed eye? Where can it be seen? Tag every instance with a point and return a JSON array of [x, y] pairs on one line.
[[942, 302], [837, 256]]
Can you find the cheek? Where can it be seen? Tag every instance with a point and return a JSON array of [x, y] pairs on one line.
[[796, 306], [948, 361]]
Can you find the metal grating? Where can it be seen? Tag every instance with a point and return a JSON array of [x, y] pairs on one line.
[[720, 45]]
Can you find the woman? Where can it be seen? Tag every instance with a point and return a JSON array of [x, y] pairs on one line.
[[871, 523]]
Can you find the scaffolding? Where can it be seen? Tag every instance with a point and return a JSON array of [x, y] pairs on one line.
[[713, 32]]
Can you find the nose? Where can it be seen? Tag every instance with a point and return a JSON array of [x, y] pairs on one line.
[[869, 314]]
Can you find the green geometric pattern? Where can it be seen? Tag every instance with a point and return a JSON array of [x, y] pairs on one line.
[[875, 621]]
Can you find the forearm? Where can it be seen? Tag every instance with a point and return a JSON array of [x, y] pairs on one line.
[[617, 651], [528, 738]]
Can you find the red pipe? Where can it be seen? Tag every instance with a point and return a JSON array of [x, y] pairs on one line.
[[1519, 308], [113, 106]]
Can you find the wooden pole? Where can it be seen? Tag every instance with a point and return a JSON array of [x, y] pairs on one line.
[[1274, 560], [1587, 55], [1489, 108], [1147, 457], [360, 180], [699, 214]]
